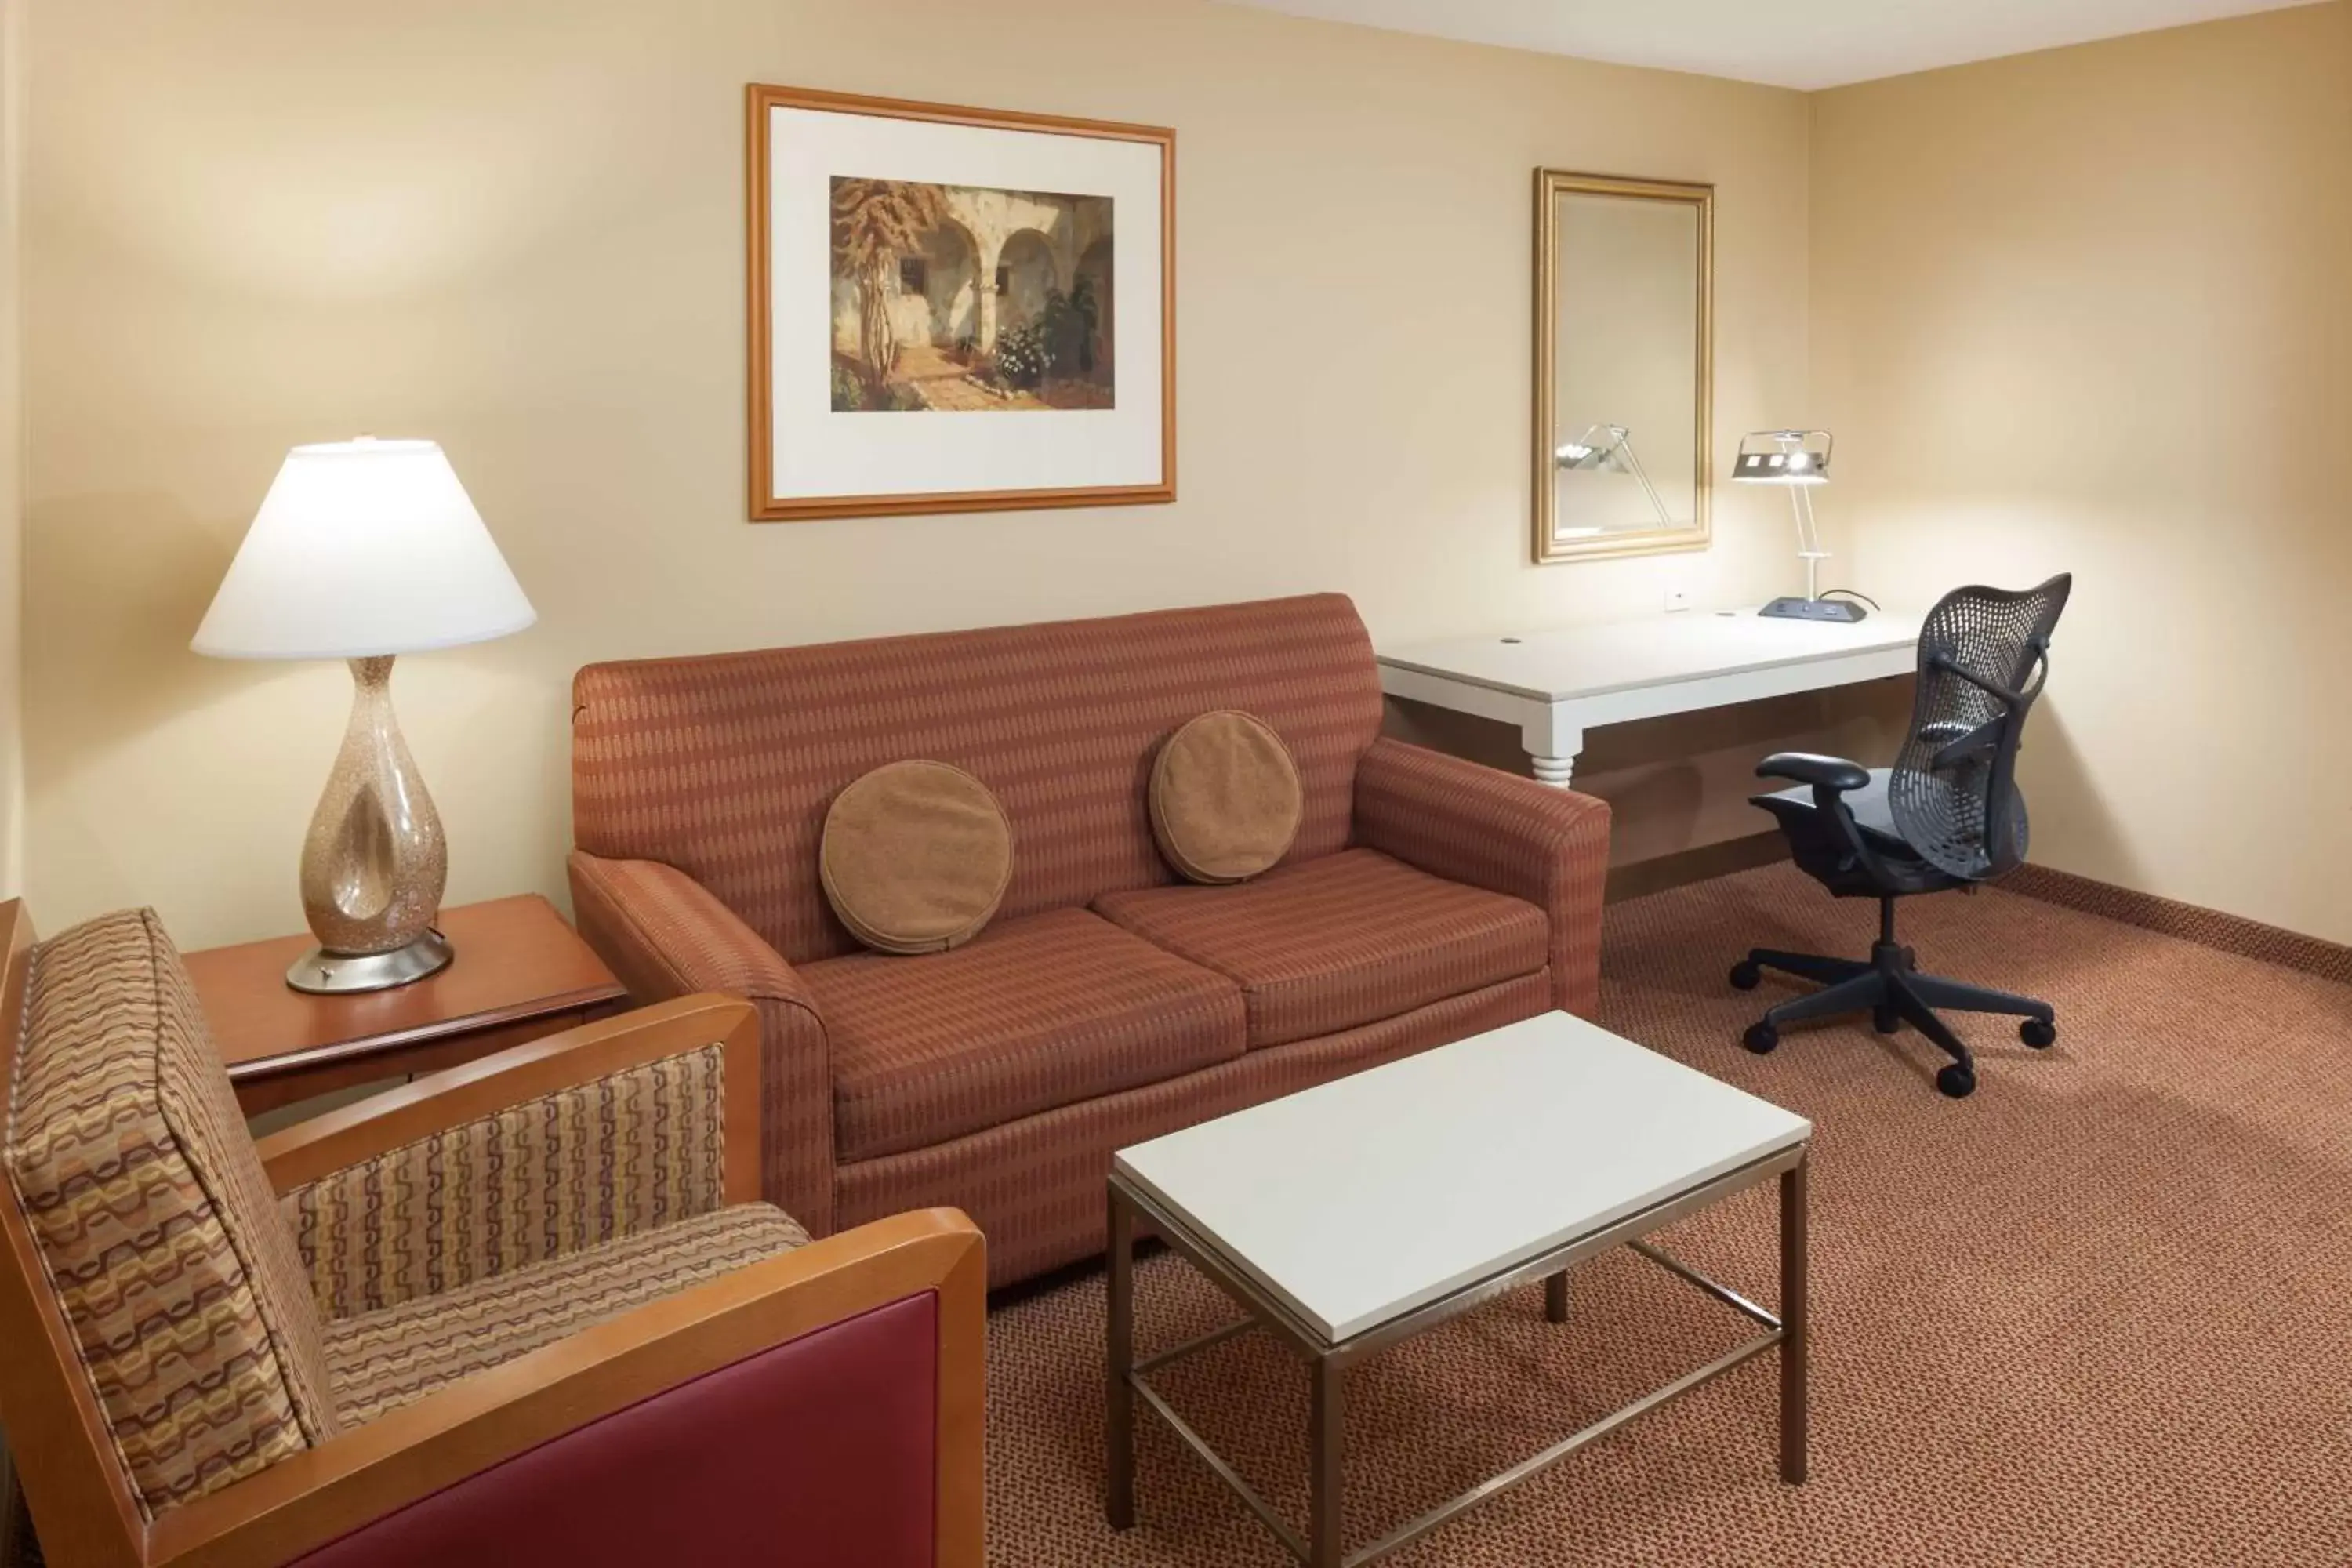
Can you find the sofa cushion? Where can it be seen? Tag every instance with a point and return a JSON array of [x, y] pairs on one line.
[[155, 1222], [1224, 798], [381, 1361], [1031, 1015], [1331, 943], [915, 856]]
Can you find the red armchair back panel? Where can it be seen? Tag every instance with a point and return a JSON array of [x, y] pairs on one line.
[[821, 1452], [723, 765]]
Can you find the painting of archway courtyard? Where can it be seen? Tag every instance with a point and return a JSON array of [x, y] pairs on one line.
[[963, 298]]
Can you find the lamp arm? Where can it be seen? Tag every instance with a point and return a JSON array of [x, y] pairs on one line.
[[1809, 538], [1634, 461]]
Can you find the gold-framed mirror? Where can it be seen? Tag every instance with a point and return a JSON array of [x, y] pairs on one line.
[[1624, 365]]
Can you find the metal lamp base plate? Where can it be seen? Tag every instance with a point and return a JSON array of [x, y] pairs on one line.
[[326, 973], [1842, 611]]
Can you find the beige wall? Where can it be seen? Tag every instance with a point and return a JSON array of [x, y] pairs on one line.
[[517, 228], [2092, 311]]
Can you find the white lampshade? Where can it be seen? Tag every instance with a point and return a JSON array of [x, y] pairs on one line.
[[363, 548]]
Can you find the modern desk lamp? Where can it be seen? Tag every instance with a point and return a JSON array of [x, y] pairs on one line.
[[362, 549], [1798, 459], [1609, 448]]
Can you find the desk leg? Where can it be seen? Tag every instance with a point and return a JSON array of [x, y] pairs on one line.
[[1552, 745]]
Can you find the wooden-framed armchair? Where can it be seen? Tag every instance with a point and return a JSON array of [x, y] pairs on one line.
[[522, 1311]]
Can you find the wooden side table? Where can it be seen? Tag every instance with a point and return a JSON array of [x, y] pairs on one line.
[[519, 973]]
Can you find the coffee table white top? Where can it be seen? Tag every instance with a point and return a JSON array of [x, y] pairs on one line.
[[1355, 1202]]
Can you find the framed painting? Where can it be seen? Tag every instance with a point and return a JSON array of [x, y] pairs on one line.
[[956, 309]]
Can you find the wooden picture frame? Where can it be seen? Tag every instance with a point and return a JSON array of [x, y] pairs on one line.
[[1005, 427], [1688, 434]]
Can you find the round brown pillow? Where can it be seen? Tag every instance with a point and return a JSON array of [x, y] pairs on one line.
[[915, 856], [1225, 801]]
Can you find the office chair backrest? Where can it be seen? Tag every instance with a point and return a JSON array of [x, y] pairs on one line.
[[1984, 655]]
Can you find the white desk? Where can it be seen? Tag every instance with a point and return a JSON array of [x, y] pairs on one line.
[[1556, 685]]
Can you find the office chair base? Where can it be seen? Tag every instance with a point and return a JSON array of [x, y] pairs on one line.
[[1890, 987]]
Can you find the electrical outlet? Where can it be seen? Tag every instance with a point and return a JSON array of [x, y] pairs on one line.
[[1677, 599]]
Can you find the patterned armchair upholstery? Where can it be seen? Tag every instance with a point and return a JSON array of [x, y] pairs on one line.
[[1424, 899], [413, 1328]]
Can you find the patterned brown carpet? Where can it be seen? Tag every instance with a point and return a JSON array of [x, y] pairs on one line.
[[2100, 1313]]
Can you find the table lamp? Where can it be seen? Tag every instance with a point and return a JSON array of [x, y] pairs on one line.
[[1798, 459], [362, 549]]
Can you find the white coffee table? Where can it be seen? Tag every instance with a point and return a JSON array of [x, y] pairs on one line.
[[1354, 1216]]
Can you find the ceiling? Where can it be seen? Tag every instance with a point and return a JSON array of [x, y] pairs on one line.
[[1789, 43]]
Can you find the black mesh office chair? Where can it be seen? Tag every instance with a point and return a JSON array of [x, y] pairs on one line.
[[1947, 814]]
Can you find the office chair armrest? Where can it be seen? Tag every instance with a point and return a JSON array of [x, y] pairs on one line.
[[1808, 767], [1831, 777]]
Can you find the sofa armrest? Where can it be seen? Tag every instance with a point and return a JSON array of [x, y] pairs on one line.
[[665, 934], [583, 1399], [1494, 830], [564, 1143]]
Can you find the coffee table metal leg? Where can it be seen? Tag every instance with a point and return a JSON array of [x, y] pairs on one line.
[[1327, 1486], [1794, 1348], [1118, 1415], [1326, 1545]]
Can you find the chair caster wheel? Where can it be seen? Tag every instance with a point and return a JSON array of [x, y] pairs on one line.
[[1886, 1020], [1956, 1081], [1760, 1038], [1745, 975], [2038, 1033]]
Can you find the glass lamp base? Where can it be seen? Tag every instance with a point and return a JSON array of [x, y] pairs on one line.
[[326, 973]]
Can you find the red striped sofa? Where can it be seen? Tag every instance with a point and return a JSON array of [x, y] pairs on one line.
[[1426, 898]]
